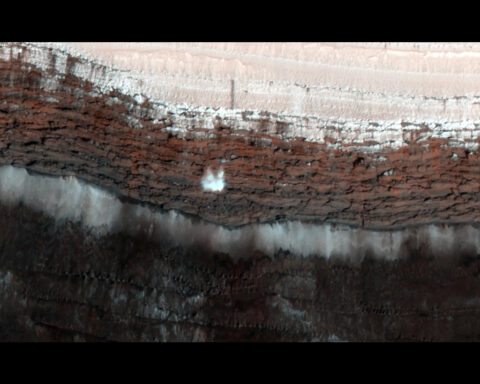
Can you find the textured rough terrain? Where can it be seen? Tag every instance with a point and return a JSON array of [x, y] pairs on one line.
[[270, 172], [356, 161], [57, 283]]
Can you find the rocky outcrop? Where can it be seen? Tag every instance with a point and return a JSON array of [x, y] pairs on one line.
[[271, 171]]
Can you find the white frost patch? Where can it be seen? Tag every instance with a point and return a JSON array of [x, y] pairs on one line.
[[387, 173], [70, 199], [213, 182], [5, 279], [334, 339], [64, 198]]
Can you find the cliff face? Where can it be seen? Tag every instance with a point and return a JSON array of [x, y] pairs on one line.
[[63, 114], [373, 174]]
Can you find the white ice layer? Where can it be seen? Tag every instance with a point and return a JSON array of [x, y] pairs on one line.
[[333, 80], [67, 198], [362, 97]]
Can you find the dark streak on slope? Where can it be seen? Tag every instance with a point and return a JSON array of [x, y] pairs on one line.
[[59, 283]]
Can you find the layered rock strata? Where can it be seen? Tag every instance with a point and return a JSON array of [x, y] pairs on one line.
[[390, 156]]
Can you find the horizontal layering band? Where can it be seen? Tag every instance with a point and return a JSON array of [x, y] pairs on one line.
[[386, 138], [69, 199]]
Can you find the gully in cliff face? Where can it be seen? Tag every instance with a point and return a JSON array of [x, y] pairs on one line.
[[337, 202]]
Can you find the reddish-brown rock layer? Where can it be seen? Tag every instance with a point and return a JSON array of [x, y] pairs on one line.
[[110, 140]]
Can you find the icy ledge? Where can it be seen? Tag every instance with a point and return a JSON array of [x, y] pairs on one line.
[[341, 117], [70, 199]]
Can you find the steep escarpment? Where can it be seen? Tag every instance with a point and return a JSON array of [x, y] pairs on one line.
[[164, 206], [371, 174]]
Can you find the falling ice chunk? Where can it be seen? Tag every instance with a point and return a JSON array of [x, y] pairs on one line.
[[211, 182]]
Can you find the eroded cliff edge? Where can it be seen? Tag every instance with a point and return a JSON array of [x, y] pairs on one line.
[[62, 114]]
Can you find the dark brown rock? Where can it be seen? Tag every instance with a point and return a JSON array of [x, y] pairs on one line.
[[57, 282]]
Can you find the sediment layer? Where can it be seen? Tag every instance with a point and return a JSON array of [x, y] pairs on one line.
[[370, 174], [59, 282], [101, 213]]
